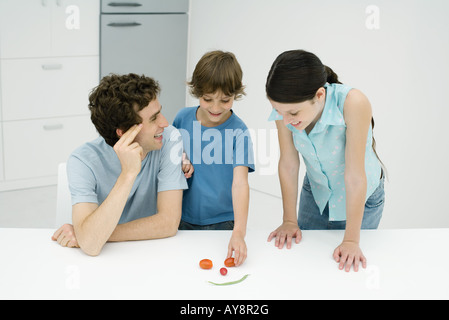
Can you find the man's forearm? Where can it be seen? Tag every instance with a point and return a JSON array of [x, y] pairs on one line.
[[154, 227], [163, 224], [93, 230]]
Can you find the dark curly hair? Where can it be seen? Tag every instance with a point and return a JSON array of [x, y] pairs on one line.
[[114, 103]]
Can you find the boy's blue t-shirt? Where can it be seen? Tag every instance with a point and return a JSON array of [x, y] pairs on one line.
[[214, 153]]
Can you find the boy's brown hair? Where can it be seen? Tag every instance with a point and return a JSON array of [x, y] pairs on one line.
[[217, 70], [117, 99]]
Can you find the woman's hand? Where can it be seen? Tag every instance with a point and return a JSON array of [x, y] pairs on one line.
[[287, 231], [349, 253]]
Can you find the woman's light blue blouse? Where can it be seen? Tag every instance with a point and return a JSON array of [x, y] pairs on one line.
[[323, 151]]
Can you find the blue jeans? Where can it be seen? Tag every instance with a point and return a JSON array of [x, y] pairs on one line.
[[226, 225], [309, 217]]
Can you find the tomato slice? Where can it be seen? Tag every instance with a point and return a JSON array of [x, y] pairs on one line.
[[229, 262], [206, 264]]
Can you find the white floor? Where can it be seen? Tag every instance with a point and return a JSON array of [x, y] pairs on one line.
[[36, 208]]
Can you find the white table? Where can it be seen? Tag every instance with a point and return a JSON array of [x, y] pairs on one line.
[[402, 264]]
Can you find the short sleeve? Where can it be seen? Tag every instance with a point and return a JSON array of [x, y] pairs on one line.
[[170, 175], [243, 152], [82, 181], [275, 116]]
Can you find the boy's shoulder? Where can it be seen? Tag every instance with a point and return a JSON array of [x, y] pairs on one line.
[[237, 122], [185, 112]]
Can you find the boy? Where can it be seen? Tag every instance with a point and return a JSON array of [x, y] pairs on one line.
[[218, 195]]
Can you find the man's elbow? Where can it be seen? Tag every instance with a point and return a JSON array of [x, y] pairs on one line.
[[89, 247], [170, 225], [174, 226], [172, 232]]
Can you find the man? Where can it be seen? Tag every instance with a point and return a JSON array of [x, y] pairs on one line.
[[128, 183]]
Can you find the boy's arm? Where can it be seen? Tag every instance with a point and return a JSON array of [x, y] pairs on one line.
[[240, 200]]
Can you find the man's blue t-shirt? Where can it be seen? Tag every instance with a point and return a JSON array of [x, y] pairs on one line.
[[214, 153], [94, 167]]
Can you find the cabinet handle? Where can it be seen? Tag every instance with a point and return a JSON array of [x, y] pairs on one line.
[[52, 66], [124, 4], [52, 127], [124, 24]]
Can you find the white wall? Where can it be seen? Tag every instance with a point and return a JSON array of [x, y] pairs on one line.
[[402, 67]]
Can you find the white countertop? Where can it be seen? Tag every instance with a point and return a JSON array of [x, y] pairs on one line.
[[402, 264]]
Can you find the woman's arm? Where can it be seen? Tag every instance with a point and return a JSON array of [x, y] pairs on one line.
[[288, 176], [357, 114]]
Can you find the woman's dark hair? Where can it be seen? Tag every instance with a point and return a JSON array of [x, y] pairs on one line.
[[296, 76], [117, 99]]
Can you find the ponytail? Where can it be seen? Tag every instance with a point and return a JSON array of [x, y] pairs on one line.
[[331, 76]]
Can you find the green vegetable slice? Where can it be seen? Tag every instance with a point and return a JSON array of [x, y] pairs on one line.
[[229, 283]]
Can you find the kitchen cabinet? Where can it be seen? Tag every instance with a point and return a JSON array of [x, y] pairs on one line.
[[43, 28], [55, 87], [1, 154], [34, 148], [49, 63], [153, 41], [145, 6]]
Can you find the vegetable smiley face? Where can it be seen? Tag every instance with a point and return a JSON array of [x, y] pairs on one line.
[[229, 262], [206, 264]]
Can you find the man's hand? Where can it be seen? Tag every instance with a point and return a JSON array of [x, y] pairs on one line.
[[65, 236], [130, 153]]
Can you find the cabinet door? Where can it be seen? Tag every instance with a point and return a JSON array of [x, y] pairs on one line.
[[76, 28], [151, 44], [43, 88], [34, 148], [1, 154], [144, 6], [25, 28]]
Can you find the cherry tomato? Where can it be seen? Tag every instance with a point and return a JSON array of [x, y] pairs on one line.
[[206, 264], [223, 271], [229, 262]]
